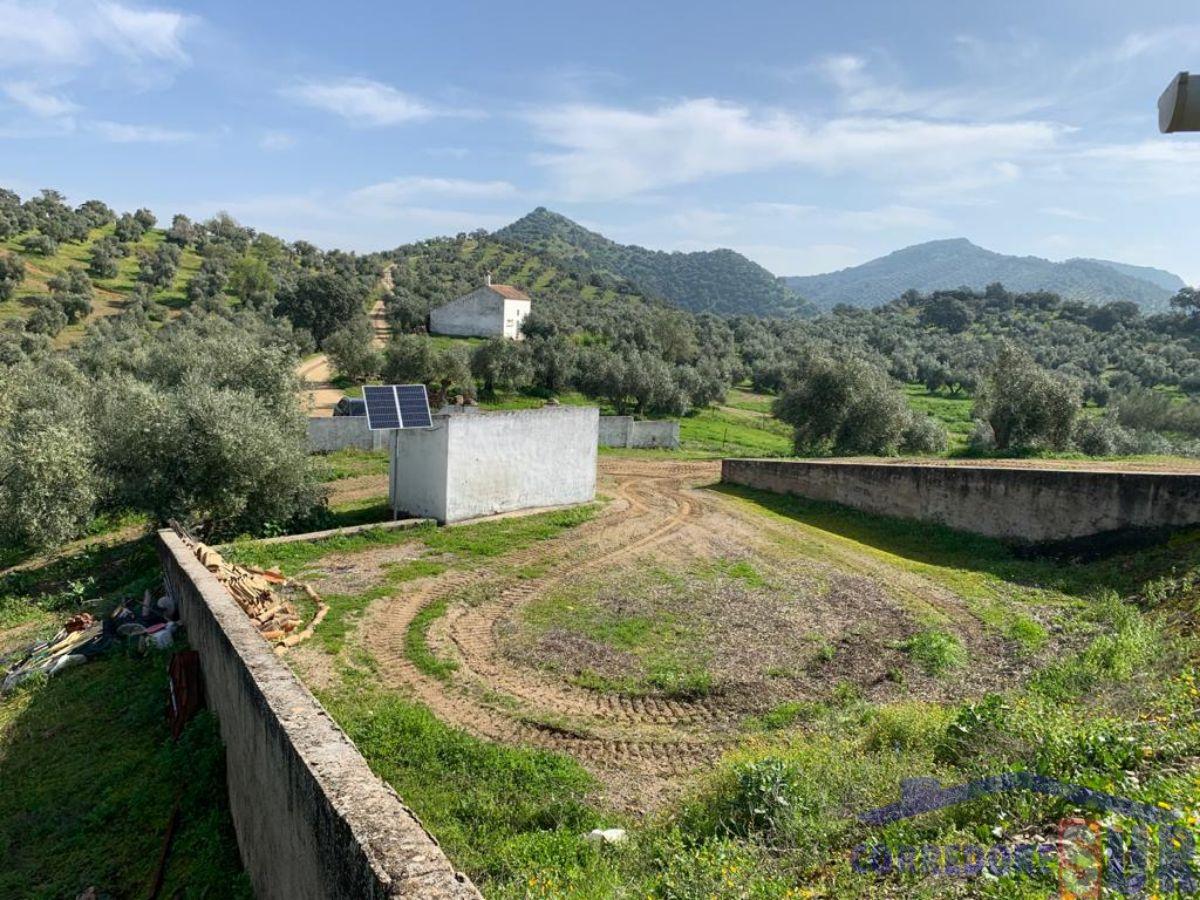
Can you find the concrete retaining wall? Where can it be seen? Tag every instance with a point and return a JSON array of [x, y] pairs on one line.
[[479, 464], [1019, 504], [626, 431], [329, 433], [312, 821]]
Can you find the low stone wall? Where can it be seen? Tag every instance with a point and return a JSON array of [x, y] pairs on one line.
[[312, 821], [329, 433], [626, 431], [1030, 505]]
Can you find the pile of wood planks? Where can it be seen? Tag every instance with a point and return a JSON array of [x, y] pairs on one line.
[[254, 590]]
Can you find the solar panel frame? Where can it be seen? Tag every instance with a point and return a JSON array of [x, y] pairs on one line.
[[383, 413]]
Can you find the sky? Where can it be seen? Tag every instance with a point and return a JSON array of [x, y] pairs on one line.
[[808, 136]]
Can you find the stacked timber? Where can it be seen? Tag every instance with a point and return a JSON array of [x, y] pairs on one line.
[[255, 591]]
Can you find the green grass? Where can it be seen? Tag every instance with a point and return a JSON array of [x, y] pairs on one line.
[[716, 432], [952, 412], [442, 549], [416, 646], [352, 464], [505, 815], [90, 776], [89, 772], [935, 651], [1116, 714], [668, 647]]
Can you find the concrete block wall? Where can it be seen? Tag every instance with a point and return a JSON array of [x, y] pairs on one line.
[[1028, 505], [626, 431], [329, 433], [312, 820], [486, 463]]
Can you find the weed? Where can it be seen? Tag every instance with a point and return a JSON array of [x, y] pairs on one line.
[[935, 651], [416, 647], [785, 715]]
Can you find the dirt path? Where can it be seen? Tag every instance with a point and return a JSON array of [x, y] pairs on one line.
[[639, 746], [319, 394]]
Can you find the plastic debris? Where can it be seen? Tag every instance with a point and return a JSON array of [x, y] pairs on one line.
[[598, 836]]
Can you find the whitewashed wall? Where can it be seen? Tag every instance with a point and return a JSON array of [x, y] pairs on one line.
[[486, 463]]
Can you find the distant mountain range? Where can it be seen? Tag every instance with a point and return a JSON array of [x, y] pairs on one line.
[[719, 281], [957, 263]]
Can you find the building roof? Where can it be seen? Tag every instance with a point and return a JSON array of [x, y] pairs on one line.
[[509, 292]]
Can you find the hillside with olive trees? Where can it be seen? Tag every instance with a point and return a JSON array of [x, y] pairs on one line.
[[719, 281]]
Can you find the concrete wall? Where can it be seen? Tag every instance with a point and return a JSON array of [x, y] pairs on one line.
[[515, 313], [329, 433], [478, 314], [486, 463], [311, 819], [1020, 504], [626, 431]]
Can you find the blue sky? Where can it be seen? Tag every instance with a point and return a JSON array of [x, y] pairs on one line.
[[809, 136]]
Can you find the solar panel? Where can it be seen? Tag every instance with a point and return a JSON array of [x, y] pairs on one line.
[[397, 406], [381, 407], [414, 406]]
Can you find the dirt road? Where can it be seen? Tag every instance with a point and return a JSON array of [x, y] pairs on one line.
[[319, 394]]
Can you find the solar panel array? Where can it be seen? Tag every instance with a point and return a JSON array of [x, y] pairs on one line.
[[397, 406]]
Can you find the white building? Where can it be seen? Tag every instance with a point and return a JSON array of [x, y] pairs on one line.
[[494, 310], [480, 464]]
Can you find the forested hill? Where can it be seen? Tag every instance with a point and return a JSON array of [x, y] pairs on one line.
[[944, 265], [1168, 281], [719, 281]]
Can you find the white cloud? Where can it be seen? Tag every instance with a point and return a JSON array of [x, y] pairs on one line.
[[276, 140], [142, 33], [35, 34], [402, 190], [360, 100], [862, 90], [122, 133], [40, 102], [607, 152], [1062, 212], [77, 33]]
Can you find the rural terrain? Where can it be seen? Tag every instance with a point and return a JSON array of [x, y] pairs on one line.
[[728, 677]]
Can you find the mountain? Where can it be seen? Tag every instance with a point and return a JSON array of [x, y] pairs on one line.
[[1166, 280], [719, 281], [956, 263]]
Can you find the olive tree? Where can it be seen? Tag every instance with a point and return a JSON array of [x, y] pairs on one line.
[[73, 293], [321, 302], [48, 479], [1027, 407], [351, 350], [157, 268], [12, 273], [849, 406], [501, 363]]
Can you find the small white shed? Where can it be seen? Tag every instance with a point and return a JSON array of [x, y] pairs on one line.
[[478, 464], [493, 310]]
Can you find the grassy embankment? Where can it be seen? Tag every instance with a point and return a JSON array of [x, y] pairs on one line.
[[89, 771]]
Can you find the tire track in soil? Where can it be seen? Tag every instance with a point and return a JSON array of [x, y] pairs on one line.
[[635, 740], [635, 745]]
